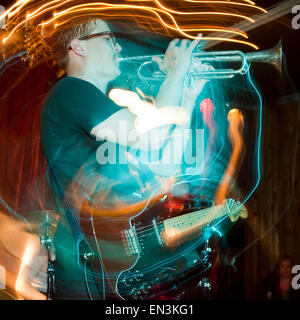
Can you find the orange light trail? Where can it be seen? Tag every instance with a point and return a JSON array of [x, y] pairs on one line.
[[236, 124], [191, 13], [200, 1], [34, 13], [8, 12], [22, 15], [27, 257], [17, 10], [73, 10], [238, 32], [147, 9], [177, 28]]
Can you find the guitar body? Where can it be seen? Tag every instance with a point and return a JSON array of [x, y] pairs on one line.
[[108, 244], [136, 263]]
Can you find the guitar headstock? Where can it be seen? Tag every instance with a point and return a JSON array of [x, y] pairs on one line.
[[236, 209]]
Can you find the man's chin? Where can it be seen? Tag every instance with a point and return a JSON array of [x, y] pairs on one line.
[[110, 76], [117, 73]]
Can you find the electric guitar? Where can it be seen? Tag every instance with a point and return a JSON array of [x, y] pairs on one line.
[[151, 249]]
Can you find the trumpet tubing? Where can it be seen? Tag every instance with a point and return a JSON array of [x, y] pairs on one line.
[[272, 56]]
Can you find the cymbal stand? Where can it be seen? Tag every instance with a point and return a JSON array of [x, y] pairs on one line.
[[46, 242]]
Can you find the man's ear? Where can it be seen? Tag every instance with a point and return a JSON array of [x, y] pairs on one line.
[[77, 48]]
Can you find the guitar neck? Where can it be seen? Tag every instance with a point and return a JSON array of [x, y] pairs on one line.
[[195, 219]]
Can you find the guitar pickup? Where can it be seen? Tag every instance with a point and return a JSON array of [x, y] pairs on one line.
[[131, 242]]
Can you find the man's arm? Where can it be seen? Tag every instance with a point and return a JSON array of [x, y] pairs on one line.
[[175, 64], [124, 121], [173, 152], [174, 149]]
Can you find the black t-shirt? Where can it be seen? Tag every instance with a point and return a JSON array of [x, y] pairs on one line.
[[72, 108]]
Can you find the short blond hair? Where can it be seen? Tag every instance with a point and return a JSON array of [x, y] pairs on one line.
[[62, 40]]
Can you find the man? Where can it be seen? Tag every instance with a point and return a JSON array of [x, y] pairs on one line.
[[78, 118]]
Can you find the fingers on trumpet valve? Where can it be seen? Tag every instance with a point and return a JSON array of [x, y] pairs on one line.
[[198, 66]]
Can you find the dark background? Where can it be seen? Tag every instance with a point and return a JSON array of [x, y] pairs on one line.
[[274, 209]]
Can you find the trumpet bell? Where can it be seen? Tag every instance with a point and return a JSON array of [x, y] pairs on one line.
[[272, 56]]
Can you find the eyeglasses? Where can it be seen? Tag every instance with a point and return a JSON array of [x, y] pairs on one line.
[[113, 35], [106, 35]]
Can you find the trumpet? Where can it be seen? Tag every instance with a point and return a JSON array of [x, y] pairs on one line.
[[272, 56]]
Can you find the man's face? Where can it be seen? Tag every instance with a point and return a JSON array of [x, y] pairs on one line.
[[102, 54]]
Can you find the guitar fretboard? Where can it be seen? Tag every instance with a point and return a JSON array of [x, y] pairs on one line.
[[195, 219]]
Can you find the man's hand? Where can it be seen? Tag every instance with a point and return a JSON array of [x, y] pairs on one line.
[[178, 57], [191, 93]]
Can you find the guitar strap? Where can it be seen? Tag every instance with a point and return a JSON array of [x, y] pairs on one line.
[[86, 254]]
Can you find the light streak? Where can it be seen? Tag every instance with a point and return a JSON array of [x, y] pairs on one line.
[[216, 1], [177, 28], [152, 10], [279, 10], [10, 14], [236, 124], [148, 115], [203, 13], [217, 231], [20, 285], [7, 12], [207, 107], [23, 15], [34, 13], [200, 1], [228, 30]]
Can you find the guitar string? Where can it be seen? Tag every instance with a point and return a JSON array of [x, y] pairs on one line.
[[152, 233], [214, 211], [144, 234], [190, 214], [147, 234], [206, 212], [180, 218]]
